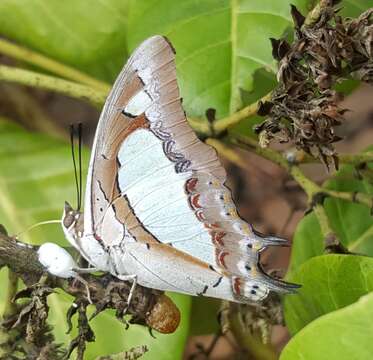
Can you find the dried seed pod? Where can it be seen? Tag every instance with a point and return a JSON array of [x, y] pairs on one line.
[[164, 316], [304, 107]]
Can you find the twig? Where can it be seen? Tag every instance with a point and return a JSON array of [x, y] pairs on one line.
[[148, 306], [97, 97], [356, 197], [10, 308], [69, 88], [311, 189], [42, 61], [309, 186], [300, 157], [220, 125], [227, 152]]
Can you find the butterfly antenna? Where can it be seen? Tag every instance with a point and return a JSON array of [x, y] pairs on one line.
[[80, 136], [38, 224], [74, 163]]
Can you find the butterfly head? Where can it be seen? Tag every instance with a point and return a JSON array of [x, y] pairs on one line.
[[72, 223]]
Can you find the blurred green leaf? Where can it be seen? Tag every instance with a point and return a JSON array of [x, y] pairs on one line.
[[36, 179], [220, 44], [329, 282], [89, 36], [204, 316], [353, 8], [341, 335], [347, 86]]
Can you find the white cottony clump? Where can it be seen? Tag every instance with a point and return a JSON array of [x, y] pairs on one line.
[[57, 260]]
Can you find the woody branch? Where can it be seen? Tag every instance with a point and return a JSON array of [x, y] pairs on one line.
[[148, 307]]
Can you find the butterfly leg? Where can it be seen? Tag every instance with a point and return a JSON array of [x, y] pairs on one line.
[[132, 278], [85, 283], [86, 270]]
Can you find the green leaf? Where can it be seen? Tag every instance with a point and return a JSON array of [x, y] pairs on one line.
[[204, 316], [90, 37], [307, 242], [220, 44], [341, 335], [36, 179], [353, 8], [329, 282], [352, 222]]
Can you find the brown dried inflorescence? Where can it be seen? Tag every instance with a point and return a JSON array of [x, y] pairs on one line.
[[304, 107]]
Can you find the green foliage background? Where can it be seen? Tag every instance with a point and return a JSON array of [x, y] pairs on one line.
[[224, 61]]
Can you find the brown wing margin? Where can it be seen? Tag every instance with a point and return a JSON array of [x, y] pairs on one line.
[[152, 68], [168, 121]]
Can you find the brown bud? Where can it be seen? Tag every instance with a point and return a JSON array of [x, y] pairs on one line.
[[164, 316]]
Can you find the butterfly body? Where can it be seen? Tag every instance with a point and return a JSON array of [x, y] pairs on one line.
[[156, 207]]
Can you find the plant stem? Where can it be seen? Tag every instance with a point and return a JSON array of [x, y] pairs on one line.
[[220, 125], [227, 152], [322, 217], [306, 184], [356, 197], [47, 82], [355, 159], [96, 97], [10, 308], [309, 186], [34, 58]]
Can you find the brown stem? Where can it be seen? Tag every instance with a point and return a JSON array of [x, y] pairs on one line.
[[149, 307]]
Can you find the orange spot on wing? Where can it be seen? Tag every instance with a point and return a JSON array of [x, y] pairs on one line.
[[221, 257], [212, 226], [200, 215], [194, 201], [237, 285], [217, 237], [191, 184]]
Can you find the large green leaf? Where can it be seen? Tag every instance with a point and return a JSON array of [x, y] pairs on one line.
[[307, 242], [35, 180], [341, 335], [352, 222], [329, 282], [90, 36], [220, 44]]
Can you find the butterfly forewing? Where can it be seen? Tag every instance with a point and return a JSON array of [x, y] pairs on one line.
[[155, 197]]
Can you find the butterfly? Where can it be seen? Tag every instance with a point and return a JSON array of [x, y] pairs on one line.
[[156, 208]]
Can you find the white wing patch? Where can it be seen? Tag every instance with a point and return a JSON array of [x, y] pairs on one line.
[[138, 104], [156, 193]]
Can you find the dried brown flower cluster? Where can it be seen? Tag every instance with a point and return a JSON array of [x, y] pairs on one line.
[[304, 107]]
